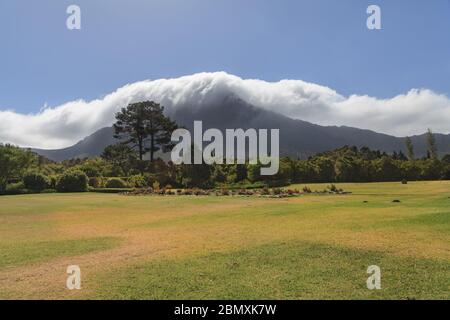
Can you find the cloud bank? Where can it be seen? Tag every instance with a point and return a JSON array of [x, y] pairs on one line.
[[61, 126]]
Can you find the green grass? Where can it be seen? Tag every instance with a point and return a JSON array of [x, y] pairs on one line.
[[19, 254], [286, 270], [188, 247]]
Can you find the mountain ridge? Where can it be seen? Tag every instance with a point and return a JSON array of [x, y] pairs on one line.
[[298, 138]]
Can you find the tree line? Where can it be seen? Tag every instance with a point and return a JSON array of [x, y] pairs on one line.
[[143, 129]]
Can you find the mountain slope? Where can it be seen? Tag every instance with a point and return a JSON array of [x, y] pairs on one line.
[[92, 145], [297, 138]]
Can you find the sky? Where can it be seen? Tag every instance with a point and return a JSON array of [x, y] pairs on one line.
[[324, 42]]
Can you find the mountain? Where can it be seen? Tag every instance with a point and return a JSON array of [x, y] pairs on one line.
[[92, 145], [297, 138]]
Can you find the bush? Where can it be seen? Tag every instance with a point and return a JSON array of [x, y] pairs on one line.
[[110, 190], [16, 188], [96, 182], [36, 181], [244, 185], [116, 183], [53, 181], [333, 188], [72, 181], [156, 185], [307, 190], [48, 191], [91, 171], [137, 181]]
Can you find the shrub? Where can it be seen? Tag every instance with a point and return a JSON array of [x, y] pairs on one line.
[[111, 190], [53, 181], [73, 181], [96, 182], [156, 185], [137, 181], [307, 190], [333, 188], [292, 192], [116, 183], [16, 188], [242, 192], [404, 181], [277, 191], [91, 171], [48, 191], [36, 181], [199, 192]]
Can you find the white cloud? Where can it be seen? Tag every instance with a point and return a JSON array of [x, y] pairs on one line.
[[61, 126]]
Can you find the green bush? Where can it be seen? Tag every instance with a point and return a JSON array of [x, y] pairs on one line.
[[15, 188], [73, 181], [156, 185], [116, 183], [307, 190], [91, 171], [110, 190], [243, 185], [36, 181], [53, 181], [96, 182], [137, 181], [48, 191], [332, 188]]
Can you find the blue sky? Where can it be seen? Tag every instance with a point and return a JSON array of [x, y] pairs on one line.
[[320, 41]]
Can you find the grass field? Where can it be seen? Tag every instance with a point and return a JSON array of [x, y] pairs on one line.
[[310, 247]]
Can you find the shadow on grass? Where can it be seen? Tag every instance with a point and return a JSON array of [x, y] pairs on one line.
[[283, 270]]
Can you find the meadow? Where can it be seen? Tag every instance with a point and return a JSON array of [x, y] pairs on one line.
[[188, 247]]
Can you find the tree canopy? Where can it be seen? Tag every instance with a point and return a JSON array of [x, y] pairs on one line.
[[144, 127], [14, 161]]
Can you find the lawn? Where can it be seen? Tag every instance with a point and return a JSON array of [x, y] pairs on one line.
[[308, 247]]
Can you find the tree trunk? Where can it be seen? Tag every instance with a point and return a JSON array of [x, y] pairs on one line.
[[141, 150], [152, 148]]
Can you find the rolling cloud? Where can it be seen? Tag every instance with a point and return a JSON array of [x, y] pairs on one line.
[[61, 126]]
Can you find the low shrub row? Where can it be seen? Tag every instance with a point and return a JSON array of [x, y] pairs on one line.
[[111, 190], [35, 182], [263, 192]]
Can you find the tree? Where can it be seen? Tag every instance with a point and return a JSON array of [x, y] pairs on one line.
[[144, 122], [254, 172], [13, 163], [73, 181], [432, 151], [446, 159], [120, 155], [324, 169], [409, 148], [36, 181], [194, 175]]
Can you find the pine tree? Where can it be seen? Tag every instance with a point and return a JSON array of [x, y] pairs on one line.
[[431, 145], [144, 126], [410, 148]]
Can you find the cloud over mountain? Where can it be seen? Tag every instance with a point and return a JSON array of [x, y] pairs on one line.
[[61, 126]]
